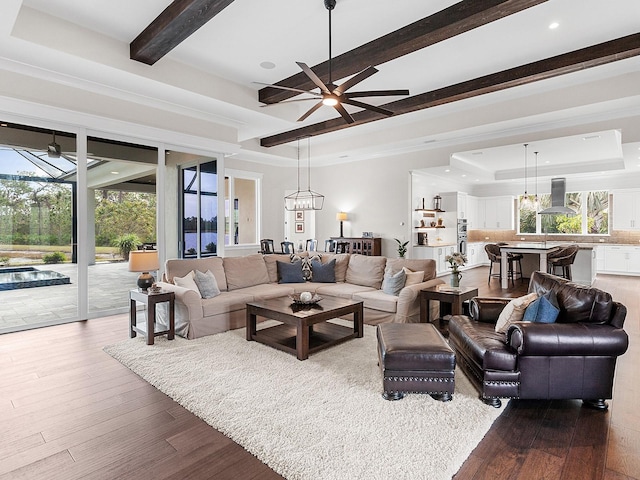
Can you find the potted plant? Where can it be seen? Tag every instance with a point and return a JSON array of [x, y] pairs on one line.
[[402, 248], [456, 260]]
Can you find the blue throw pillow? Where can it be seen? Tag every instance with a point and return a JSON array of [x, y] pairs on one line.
[[290, 272], [543, 310], [392, 284], [323, 273]]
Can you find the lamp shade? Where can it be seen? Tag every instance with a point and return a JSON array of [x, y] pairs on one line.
[[341, 216], [143, 261]]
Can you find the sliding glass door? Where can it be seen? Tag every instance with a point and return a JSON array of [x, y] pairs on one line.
[[199, 186]]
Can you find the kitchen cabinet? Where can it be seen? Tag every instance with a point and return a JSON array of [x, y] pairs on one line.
[[472, 213], [622, 259], [626, 210], [496, 213], [476, 254], [455, 202], [437, 253]]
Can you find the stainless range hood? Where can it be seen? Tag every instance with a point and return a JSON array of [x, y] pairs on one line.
[[557, 207]]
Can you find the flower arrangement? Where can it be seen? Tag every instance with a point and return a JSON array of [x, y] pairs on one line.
[[456, 260]]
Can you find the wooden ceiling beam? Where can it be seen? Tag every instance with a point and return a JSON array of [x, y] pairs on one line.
[[447, 23], [175, 24], [577, 60]]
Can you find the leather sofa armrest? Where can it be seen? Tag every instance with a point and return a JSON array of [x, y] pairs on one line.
[[190, 299], [487, 309], [564, 339]]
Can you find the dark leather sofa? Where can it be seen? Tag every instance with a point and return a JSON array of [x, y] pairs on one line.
[[574, 358]]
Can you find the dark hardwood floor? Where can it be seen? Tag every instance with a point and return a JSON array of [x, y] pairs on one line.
[[70, 411]]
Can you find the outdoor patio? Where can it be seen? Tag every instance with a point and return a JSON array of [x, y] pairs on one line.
[[109, 284]]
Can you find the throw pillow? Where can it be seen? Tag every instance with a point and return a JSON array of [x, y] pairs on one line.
[[207, 284], [323, 273], [290, 272], [392, 284], [545, 309], [413, 278], [306, 263], [187, 282], [514, 312]]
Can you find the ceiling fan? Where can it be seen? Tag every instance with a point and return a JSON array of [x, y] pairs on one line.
[[337, 95]]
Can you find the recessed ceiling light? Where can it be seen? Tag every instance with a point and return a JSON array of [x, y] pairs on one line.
[[547, 161], [553, 25], [464, 175], [268, 65], [115, 173], [477, 179], [447, 170]]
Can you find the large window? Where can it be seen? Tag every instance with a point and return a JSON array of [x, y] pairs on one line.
[[592, 215], [200, 210]]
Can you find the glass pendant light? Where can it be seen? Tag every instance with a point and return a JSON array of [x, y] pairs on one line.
[[304, 199]]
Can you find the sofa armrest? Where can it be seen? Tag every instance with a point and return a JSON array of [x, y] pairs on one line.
[[564, 339], [487, 309], [191, 300], [409, 299]]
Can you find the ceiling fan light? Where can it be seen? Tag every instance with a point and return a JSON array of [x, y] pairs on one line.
[[330, 101]]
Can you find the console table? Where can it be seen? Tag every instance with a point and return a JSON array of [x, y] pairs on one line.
[[362, 245], [148, 328]]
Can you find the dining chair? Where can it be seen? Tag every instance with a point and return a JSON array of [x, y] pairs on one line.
[[342, 247], [266, 246], [287, 247], [330, 245], [312, 245]]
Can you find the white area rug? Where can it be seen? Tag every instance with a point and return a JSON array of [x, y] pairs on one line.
[[322, 418]]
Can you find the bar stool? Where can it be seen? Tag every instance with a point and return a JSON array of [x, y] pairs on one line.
[[563, 258], [495, 256]]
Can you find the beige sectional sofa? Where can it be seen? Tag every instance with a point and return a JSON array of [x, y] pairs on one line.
[[255, 277]]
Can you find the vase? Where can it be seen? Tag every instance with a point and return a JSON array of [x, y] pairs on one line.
[[455, 279]]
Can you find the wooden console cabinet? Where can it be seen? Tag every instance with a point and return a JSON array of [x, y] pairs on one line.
[[363, 246]]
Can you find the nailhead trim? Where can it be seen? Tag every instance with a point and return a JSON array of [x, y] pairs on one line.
[[419, 379]]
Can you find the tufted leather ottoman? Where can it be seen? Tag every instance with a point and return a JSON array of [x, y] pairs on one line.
[[415, 358]]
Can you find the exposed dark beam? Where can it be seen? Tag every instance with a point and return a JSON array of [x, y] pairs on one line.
[[603, 53], [447, 23], [172, 26]]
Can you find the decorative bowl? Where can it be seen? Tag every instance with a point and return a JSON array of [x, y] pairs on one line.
[[296, 299]]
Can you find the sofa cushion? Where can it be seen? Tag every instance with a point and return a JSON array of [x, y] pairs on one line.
[[342, 263], [342, 290], [514, 312], [188, 281], [366, 271], [393, 283], [224, 303], [271, 261], [245, 271], [544, 309], [378, 300], [323, 272], [267, 290], [179, 267], [412, 278], [290, 272], [578, 303], [207, 284], [428, 266]]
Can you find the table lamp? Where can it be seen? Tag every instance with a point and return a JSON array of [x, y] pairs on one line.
[[341, 217], [144, 261]]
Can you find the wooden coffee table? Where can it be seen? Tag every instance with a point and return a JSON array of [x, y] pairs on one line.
[[304, 328]]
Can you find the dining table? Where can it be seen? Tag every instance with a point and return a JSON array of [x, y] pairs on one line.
[[539, 248]]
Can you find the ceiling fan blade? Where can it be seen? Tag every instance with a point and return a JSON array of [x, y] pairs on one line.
[[314, 78], [288, 88], [287, 101], [366, 106], [348, 118], [357, 78], [310, 111], [376, 93]]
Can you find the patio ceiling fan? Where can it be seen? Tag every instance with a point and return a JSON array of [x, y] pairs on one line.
[[337, 95]]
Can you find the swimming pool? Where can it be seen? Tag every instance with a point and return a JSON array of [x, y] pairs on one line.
[[27, 277]]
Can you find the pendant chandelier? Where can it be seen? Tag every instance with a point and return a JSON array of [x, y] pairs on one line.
[[304, 199], [525, 197]]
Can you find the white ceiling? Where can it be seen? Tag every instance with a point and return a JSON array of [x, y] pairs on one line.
[[210, 74]]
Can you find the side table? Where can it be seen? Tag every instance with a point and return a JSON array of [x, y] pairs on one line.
[[450, 298], [149, 328]]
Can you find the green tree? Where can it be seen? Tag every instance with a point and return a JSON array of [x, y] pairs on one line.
[[119, 213]]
